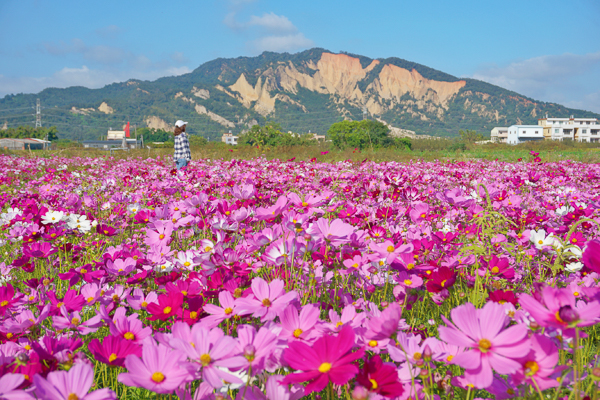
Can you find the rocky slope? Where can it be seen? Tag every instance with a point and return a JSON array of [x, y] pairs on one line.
[[303, 92]]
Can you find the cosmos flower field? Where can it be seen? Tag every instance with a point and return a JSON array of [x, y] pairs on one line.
[[267, 279]]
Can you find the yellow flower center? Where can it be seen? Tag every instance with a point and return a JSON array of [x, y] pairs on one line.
[[407, 282], [510, 391], [575, 294], [266, 303], [228, 310], [325, 367], [75, 321], [390, 249], [558, 318], [161, 237], [297, 332], [373, 343], [4, 303], [449, 358], [340, 323], [193, 315], [112, 357], [144, 304], [373, 384], [443, 283], [205, 359], [129, 336], [167, 310], [417, 356], [531, 368], [158, 377], [484, 345], [59, 305], [184, 292], [410, 266], [540, 242], [304, 204], [72, 396], [495, 270], [187, 263], [83, 271]]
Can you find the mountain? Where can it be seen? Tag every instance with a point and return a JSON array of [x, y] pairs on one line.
[[306, 91]]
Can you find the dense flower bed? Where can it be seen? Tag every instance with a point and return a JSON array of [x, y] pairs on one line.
[[281, 280]]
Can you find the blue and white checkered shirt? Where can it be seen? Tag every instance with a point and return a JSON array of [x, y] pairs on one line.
[[182, 147]]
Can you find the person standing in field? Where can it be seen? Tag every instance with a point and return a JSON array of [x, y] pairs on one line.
[[182, 154]]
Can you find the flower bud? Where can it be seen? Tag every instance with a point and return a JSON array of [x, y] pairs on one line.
[[360, 393], [23, 358], [568, 314]]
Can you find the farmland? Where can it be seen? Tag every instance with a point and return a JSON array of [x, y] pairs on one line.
[[337, 275]]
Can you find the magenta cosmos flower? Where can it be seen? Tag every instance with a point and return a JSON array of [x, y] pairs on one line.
[[329, 359], [72, 384], [268, 301], [489, 346], [159, 369]]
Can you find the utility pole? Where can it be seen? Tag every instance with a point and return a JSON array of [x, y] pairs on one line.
[[364, 112], [38, 114]]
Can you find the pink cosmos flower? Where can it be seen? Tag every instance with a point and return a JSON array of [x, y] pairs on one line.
[[113, 350], [490, 345], [255, 346], [349, 317], [160, 234], [73, 321], [386, 324], [120, 267], [329, 359], [299, 326], [539, 364], [159, 369], [336, 232], [72, 384], [211, 349], [139, 301], [560, 309], [389, 251], [220, 314], [268, 301], [8, 387]]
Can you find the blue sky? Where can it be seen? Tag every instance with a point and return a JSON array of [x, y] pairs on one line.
[[548, 50]]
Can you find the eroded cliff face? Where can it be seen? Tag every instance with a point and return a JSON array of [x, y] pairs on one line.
[[339, 75]]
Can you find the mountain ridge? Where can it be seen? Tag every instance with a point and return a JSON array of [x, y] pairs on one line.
[[305, 91]]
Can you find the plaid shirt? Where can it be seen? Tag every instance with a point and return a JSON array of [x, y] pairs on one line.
[[182, 147]]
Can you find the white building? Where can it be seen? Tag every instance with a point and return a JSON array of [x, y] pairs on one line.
[[524, 133], [579, 129], [499, 135], [228, 138]]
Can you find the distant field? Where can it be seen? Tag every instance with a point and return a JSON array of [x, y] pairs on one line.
[[421, 150]]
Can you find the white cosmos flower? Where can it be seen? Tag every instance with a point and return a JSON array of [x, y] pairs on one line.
[[134, 208], [539, 239], [79, 222], [166, 266], [564, 210], [575, 251], [53, 217], [574, 266]]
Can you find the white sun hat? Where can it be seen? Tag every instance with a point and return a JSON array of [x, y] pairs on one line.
[[180, 123]]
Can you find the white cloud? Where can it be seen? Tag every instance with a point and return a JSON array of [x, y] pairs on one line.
[[568, 79], [273, 23], [282, 43], [271, 32]]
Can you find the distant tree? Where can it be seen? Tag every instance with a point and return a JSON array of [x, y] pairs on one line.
[[154, 135], [359, 134], [197, 140], [271, 135], [27, 131], [470, 136]]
